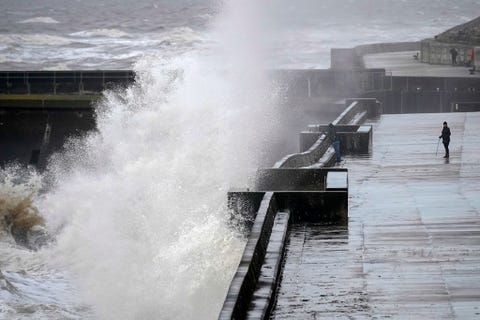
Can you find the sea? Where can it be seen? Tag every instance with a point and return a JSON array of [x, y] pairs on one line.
[[133, 216]]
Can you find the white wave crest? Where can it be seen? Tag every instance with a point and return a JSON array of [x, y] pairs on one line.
[[46, 20], [33, 39], [142, 202], [110, 33], [179, 36]]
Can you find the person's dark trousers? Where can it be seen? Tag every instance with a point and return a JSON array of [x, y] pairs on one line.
[[447, 152], [336, 147]]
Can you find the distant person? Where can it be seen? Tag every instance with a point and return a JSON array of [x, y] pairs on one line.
[[453, 54], [445, 136], [332, 136], [472, 61], [416, 55]]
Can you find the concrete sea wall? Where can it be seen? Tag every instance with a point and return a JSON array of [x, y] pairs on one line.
[[249, 281], [356, 111], [352, 58], [435, 52], [426, 94], [40, 110]]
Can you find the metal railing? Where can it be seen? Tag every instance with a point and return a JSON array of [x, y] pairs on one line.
[[62, 82]]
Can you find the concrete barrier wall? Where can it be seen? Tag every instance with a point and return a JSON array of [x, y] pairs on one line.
[[30, 136], [245, 279], [387, 47], [355, 113], [334, 206], [352, 58], [426, 94], [435, 52], [353, 139], [304, 194]]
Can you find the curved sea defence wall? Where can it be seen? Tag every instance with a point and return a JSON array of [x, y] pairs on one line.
[[357, 110], [290, 192]]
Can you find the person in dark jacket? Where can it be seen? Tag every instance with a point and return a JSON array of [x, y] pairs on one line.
[[332, 136], [446, 138], [454, 53]]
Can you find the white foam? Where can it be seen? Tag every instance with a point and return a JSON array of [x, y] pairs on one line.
[[46, 20], [33, 39], [110, 33], [140, 205]]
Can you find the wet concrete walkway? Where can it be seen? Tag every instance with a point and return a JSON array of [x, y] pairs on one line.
[[403, 64], [412, 248]]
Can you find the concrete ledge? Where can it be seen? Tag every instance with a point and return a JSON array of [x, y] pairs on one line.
[[293, 179], [246, 277], [352, 58], [356, 112], [387, 47], [353, 139], [307, 158], [336, 180], [300, 191], [263, 297]]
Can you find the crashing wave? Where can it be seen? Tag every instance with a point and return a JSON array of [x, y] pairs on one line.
[[7, 285], [18, 214]]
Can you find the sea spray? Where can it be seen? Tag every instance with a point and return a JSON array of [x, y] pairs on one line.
[[139, 206]]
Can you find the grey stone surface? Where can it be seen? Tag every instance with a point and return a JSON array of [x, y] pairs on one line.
[[412, 248]]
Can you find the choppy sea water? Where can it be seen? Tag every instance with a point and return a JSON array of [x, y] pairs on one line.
[[73, 34], [137, 210]]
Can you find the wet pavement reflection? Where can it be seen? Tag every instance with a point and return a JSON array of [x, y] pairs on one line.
[[412, 247]]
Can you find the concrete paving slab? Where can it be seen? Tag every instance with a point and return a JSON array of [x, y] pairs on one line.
[[412, 247], [403, 64]]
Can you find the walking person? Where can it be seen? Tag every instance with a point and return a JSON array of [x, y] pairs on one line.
[[332, 135], [445, 136]]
